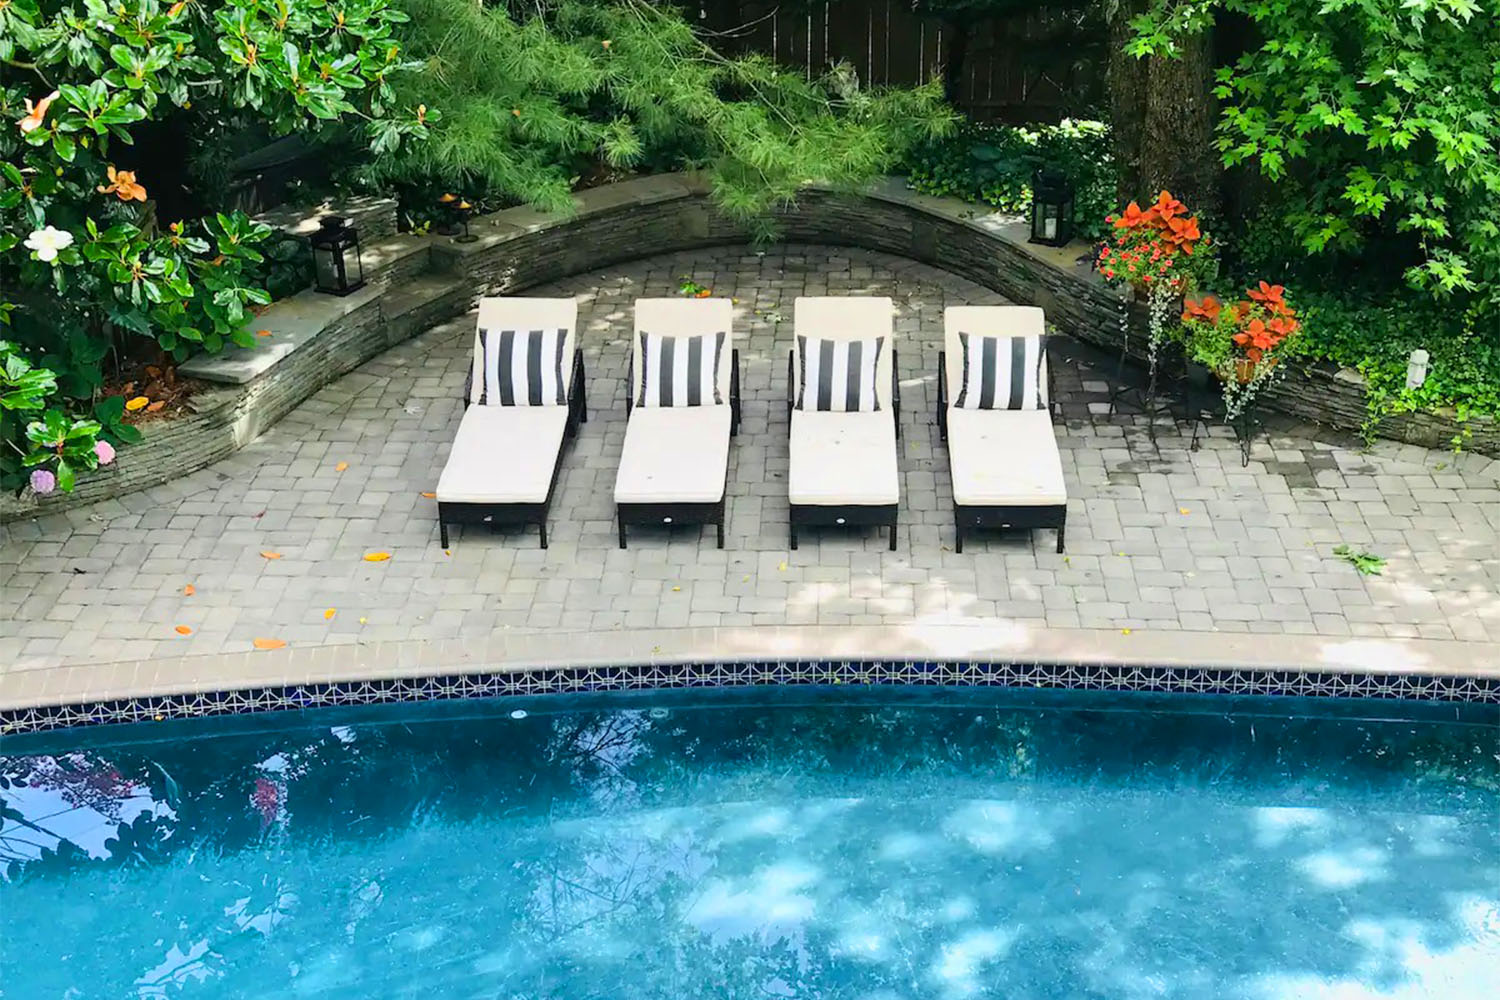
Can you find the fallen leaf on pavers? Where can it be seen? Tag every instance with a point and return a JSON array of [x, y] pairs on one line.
[[377, 556], [430, 496], [1183, 510], [269, 643], [362, 621], [328, 615], [189, 590], [746, 579], [269, 555], [676, 590], [447, 552], [154, 407], [1124, 631], [184, 630], [782, 567], [341, 467], [262, 333], [259, 515], [137, 403]]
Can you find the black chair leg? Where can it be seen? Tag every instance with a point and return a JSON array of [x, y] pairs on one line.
[[721, 532], [622, 530], [1060, 529], [958, 536], [794, 538], [893, 536], [443, 534], [543, 526]]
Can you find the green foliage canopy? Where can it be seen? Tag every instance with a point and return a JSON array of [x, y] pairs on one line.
[[83, 259], [1377, 117], [534, 97]]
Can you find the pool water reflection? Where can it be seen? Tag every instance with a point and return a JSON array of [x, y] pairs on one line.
[[832, 844]]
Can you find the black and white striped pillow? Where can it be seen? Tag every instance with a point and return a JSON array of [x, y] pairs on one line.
[[838, 375], [680, 371], [524, 368], [1002, 373]]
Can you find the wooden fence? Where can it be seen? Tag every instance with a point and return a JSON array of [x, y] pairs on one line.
[[1022, 68]]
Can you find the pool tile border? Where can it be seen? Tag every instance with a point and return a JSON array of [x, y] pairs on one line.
[[745, 673]]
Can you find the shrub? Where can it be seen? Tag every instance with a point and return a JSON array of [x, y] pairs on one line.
[[995, 165], [82, 252]]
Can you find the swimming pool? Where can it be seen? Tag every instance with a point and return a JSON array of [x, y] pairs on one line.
[[830, 843]]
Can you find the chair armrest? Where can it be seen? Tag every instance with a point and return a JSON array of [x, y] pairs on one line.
[[468, 389], [791, 386], [942, 394], [734, 391], [1054, 408], [629, 386], [896, 389]]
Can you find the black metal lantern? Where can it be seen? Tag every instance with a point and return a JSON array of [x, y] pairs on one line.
[[1051, 209], [336, 265]]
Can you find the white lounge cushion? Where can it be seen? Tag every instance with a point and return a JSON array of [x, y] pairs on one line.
[[843, 458], [674, 454], [503, 454], [1004, 458]]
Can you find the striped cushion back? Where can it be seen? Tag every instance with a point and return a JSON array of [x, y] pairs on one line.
[[1002, 373], [680, 371], [524, 367], [838, 375]]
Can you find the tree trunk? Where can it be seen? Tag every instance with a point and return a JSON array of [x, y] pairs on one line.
[[1127, 78], [1162, 116], [1177, 141]]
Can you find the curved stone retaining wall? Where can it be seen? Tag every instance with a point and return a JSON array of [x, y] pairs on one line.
[[417, 281]]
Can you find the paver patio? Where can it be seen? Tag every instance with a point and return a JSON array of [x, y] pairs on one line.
[[1159, 538]]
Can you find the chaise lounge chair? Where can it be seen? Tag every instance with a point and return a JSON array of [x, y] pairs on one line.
[[682, 404], [524, 396], [844, 412], [994, 412]]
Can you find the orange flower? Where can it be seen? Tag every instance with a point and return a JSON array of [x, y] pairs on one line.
[[1283, 327], [1166, 206], [35, 113], [1183, 232], [176, 8], [1206, 308], [122, 183], [1268, 294], [1132, 217]]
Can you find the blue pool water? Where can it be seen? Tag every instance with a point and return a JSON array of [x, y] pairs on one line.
[[823, 844]]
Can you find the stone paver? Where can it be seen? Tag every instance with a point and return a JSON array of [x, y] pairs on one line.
[[1159, 538]]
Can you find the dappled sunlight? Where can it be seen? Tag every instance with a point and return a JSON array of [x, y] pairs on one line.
[[1345, 868], [965, 967], [1002, 828]]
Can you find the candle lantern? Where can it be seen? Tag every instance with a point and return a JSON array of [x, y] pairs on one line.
[[1051, 209], [337, 267]]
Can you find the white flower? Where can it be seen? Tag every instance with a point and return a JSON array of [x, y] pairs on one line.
[[47, 242]]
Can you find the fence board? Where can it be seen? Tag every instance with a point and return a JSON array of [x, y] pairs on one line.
[[1007, 74]]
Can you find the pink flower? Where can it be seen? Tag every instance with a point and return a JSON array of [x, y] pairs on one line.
[[43, 481], [104, 452]]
